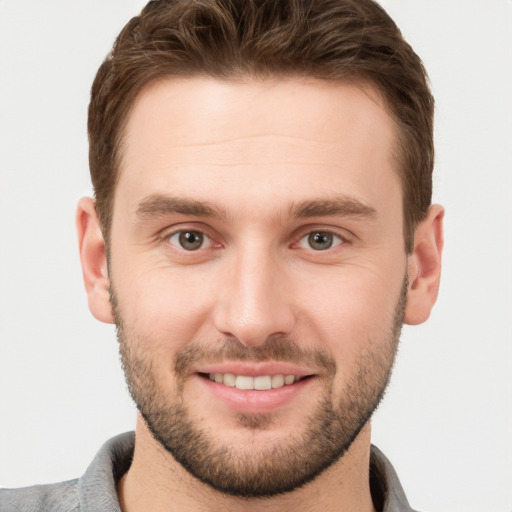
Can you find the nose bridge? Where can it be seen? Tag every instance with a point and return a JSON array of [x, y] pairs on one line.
[[255, 303]]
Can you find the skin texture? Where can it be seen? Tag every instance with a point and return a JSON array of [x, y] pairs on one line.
[[255, 470], [255, 167]]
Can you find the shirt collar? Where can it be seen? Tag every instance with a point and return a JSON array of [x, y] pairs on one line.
[[97, 487]]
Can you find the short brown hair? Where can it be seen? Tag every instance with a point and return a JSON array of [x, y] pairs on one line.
[[348, 40]]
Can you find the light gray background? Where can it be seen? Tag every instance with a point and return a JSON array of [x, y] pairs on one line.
[[446, 423]]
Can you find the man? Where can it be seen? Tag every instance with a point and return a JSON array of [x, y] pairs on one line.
[[261, 229]]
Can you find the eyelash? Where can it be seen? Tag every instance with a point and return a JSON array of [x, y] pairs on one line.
[[183, 232], [333, 237], [323, 232]]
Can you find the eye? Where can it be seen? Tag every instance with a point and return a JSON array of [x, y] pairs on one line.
[[320, 240], [189, 240]]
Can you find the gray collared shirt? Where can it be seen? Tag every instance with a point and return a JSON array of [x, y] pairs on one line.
[[95, 491]]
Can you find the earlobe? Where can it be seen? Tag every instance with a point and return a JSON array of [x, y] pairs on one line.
[[93, 259], [424, 267]]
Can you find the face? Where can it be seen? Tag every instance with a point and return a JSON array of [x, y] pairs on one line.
[[257, 273]]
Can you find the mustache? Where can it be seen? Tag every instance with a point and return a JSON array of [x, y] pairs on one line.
[[275, 348]]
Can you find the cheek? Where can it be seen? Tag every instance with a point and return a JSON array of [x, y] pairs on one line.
[[350, 313], [164, 309]]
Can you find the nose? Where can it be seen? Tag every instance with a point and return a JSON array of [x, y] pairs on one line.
[[255, 298]]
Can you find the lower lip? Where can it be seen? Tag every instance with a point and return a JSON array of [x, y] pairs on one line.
[[252, 401]]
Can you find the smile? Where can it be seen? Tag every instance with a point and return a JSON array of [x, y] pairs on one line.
[[260, 382]]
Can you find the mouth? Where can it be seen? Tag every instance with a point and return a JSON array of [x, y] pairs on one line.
[[252, 389], [258, 382]]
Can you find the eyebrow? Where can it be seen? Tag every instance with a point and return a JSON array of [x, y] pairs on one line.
[[159, 206], [340, 205]]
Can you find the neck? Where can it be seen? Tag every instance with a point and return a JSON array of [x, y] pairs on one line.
[[156, 482]]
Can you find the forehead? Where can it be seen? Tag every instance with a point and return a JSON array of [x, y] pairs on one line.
[[200, 136]]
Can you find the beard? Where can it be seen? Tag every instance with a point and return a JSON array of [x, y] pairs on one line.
[[274, 468]]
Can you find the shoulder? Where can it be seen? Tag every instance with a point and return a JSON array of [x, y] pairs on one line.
[[94, 491], [59, 497]]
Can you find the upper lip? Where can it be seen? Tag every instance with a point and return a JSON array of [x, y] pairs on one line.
[[252, 369]]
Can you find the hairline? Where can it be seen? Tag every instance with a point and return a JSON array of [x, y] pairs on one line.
[[369, 87]]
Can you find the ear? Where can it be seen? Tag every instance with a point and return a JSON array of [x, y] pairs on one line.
[[424, 267], [94, 260]]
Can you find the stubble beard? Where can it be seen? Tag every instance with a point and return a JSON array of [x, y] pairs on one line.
[[275, 469]]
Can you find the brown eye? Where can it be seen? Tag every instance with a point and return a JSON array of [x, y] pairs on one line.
[[188, 240]]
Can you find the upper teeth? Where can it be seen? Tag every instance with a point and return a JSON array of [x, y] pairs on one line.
[[262, 382]]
